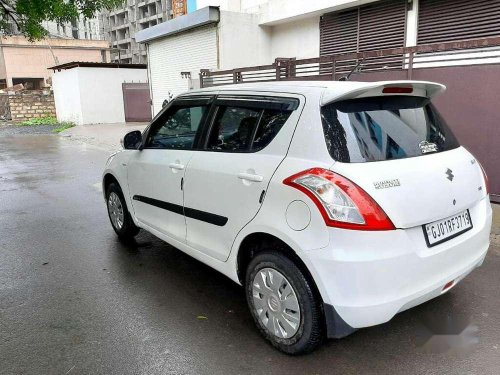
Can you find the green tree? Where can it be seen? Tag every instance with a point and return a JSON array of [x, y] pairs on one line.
[[28, 15]]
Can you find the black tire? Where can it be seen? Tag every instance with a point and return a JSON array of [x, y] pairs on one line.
[[310, 332], [128, 230]]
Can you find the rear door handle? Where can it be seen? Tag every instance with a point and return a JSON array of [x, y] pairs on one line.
[[177, 166], [250, 177]]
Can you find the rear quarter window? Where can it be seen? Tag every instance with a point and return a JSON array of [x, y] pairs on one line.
[[247, 123], [384, 128]]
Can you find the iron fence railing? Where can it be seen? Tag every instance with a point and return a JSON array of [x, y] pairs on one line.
[[333, 67]]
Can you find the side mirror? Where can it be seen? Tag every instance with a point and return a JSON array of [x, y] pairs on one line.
[[132, 140]]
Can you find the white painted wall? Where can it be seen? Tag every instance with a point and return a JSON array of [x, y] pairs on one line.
[[273, 12], [298, 39], [280, 11], [242, 41], [101, 93], [93, 95], [411, 25], [228, 5], [247, 6], [67, 96]]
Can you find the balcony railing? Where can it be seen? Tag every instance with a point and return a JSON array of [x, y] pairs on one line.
[[334, 67]]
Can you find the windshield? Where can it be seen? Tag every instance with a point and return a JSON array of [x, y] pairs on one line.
[[384, 128]]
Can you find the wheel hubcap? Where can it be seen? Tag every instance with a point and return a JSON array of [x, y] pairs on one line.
[[115, 210], [275, 303]]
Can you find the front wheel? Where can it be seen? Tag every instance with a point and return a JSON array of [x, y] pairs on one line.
[[118, 213], [283, 304]]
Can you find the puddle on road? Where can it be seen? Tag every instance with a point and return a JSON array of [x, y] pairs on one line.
[[27, 162]]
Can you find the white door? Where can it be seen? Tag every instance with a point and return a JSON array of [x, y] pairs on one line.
[[226, 182], [156, 173]]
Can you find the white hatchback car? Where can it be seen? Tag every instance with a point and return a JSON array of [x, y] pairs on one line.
[[336, 204]]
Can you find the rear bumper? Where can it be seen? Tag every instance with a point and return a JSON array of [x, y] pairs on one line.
[[368, 277]]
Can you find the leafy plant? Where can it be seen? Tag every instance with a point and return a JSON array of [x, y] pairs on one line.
[[28, 15], [45, 120], [63, 126]]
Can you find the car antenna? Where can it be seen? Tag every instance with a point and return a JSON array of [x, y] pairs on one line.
[[356, 69]]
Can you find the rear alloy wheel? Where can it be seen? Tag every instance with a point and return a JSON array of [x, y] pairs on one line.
[[118, 213], [283, 304]]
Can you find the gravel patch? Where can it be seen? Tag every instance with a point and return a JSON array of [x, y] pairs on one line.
[[11, 129]]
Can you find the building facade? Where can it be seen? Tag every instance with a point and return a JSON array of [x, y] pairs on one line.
[[256, 32], [83, 28], [27, 63], [120, 25], [303, 29]]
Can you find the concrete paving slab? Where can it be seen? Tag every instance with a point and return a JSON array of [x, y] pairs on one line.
[[103, 136]]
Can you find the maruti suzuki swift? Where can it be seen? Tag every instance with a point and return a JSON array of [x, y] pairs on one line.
[[336, 205]]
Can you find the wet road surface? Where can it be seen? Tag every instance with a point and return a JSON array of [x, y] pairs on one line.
[[73, 299]]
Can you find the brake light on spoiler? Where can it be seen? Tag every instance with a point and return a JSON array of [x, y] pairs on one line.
[[397, 90], [341, 202]]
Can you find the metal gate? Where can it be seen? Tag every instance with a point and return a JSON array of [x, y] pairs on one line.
[[136, 101]]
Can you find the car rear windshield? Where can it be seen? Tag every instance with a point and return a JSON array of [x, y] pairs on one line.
[[384, 128]]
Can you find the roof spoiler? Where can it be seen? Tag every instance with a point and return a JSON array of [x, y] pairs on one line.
[[363, 90]]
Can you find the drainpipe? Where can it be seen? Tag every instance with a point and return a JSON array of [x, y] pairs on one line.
[[217, 42], [150, 83], [56, 60]]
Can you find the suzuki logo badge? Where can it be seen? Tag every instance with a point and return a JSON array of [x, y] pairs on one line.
[[450, 175]]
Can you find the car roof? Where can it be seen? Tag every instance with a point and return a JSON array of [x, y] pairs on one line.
[[284, 85], [332, 90]]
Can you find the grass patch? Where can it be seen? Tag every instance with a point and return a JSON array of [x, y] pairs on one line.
[[63, 126], [46, 120]]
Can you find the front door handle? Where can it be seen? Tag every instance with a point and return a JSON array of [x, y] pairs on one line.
[[177, 166], [250, 177]]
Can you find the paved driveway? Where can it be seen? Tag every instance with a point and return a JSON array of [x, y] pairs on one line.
[[74, 300], [104, 136]]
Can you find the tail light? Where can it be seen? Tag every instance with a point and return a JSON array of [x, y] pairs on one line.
[[486, 181], [397, 90], [342, 203]]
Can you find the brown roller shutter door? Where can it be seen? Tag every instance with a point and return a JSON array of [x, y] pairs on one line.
[[375, 26]]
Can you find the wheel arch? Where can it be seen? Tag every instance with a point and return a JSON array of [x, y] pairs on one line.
[[335, 326], [250, 246], [107, 179]]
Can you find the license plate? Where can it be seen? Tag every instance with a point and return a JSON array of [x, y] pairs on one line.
[[446, 229]]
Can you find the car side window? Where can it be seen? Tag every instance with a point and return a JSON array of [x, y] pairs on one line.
[[247, 128], [233, 129], [176, 128], [270, 124]]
